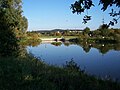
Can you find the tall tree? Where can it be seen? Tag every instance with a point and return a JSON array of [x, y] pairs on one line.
[[11, 20]]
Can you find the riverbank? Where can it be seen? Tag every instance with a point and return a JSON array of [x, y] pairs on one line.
[[28, 73], [59, 37]]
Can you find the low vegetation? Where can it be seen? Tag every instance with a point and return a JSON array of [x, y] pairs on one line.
[[23, 72], [56, 43], [28, 73], [102, 35], [31, 39]]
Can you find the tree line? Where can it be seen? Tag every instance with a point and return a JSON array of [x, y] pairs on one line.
[[13, 25]]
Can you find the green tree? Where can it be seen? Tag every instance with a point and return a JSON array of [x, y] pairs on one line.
[[104, 30], [86, 30], [104, 26], [11, 23]]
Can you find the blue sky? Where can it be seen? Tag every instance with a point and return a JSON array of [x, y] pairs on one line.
[[56, 14]]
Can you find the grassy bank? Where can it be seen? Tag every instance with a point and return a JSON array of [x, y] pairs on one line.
[[28, 73], [66, 37]]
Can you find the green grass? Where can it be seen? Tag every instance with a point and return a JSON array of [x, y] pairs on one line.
[[28, 73], [70, 37], [66, 37], [50, 37]]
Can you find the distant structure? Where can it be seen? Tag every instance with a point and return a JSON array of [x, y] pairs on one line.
[[59, 31], [103, 21]]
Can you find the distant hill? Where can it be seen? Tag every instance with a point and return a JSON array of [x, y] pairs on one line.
[[56, 30]]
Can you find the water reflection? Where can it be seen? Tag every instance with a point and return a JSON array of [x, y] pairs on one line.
[[96, 59], [103, 48]]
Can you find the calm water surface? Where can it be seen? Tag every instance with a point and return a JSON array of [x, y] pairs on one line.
[[93, 62]]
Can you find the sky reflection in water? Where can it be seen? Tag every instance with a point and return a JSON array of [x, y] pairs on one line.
[[93, 62]]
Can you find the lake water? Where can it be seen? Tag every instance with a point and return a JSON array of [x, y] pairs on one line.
[[95, 60]]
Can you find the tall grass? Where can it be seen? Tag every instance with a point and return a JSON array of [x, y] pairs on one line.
[[28, 73]]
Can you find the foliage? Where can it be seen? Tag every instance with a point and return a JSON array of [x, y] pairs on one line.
[[33, 36], [12, 25], [103, 45], [56, 43], [117, 37], [31, 39], [104, 31], [28, 73], [86, 30], [81, 5], [30, 42], [72, 66], [103, 26], [60, 33]]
